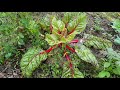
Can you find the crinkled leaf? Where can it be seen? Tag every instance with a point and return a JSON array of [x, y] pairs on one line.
[[57, 25], [52, 39], [31, 60], [78, 23], [68, 74], [54, 24], [78, 74], [67, 17], [61, 25], [45, 22], [113, 55], [85, 54], [63, 39], [71, 36], [97, 42]]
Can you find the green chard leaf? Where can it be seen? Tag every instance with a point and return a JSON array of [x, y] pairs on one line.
[[97, 42], [78, 23], [67, 72], [31, 60], [57, 25], [67, 17], [113, 55], [45, 22], [85, 54], [52, 39], [71, 36]]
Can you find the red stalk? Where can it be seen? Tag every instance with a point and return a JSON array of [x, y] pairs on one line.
[[71, 31], [67, 57], [71, 49], [59, 32], [51, 28], [48, 50], [70, 63], [74, 41], [60, 45]]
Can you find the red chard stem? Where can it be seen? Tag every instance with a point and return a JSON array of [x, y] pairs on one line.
[[60, 45], [71, 31], [59, 32], [48, 50], [74, 41], [51, 28], [71, 49], [70, 63]]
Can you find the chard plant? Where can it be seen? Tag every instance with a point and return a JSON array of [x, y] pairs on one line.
[[61, 34]]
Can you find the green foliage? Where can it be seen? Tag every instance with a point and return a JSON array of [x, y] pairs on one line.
[[113, 55], [116, 70], [115, 58], [31, 60], [16, 29], [68, 74], [97, 42], [56, 70], [116, 25], [85, 54], [32, 29], [63, 31], [20, 30], [45, 22], [9, 35], [112, 66], [52, 39], [106, 64], [44, 71], [117, 40], [78, 22], [104, 74], [97, 26], [58, 33]]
